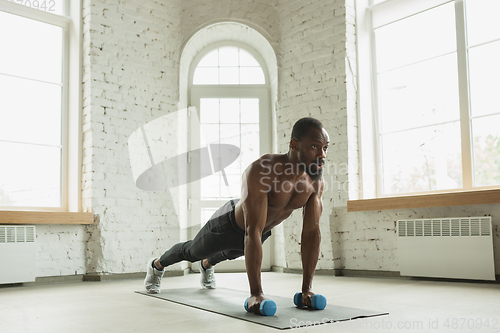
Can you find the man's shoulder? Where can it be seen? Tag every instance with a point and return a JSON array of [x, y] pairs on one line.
[[266, 161], [262, 170], [270, 158]]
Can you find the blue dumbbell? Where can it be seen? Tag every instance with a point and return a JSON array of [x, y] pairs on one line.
[[318, 301], [267, 307]]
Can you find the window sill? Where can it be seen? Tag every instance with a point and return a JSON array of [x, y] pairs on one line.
[[477, 197], [30, 217]]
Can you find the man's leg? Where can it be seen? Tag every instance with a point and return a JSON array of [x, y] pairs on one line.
[[152, 281], [189, 250], [206, 265], [230, 254], [217, 235], [207, 277]]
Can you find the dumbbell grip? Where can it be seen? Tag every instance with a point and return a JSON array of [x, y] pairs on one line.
[[318, 301], [267, 307]]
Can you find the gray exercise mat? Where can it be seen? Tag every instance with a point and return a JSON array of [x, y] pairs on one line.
[[229, 302]]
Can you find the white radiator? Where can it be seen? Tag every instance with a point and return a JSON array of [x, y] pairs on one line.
[[17, 254], [460, 248]]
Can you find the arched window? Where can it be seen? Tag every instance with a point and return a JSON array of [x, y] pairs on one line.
[[230, 94], [229, 74], [228, 65], [228, 86]]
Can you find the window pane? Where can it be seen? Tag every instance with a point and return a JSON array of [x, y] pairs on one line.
[[229, 110], [30, 49], [482, 20], [30, 175], [206, 214], [424, 159], [211, 59], [244, 135], [230, 134], [229, 75], [234, 188], [228, 65], [249, 110], [484, 70], [49, 6], [206, 75], [30, 111], [53, 6], [210, 187], [419, 37], [422, 94], [486, 134], [210, 132], [251, 75], [249, 144], [228, 56], [209, 110], [235, 167], [247, 60]]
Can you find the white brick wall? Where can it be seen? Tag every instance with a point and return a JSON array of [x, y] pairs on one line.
[[369, 240], [131, 53], [60, 250], [259, 14], [131, 59], [134, 55], [131, 76], [312, 83]]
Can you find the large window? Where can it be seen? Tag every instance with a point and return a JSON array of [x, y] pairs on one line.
[[434, 86], [33, 104], [231, 95]]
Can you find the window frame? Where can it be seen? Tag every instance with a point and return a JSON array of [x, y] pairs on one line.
[[71, 104], [211, 47], [370, 17]]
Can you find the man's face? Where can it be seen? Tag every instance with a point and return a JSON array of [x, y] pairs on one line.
[[312, 152]]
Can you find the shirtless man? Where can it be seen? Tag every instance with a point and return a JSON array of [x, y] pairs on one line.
[[273, 187]]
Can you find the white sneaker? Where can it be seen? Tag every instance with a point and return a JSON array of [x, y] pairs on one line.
[[207, 279], [153, 278]]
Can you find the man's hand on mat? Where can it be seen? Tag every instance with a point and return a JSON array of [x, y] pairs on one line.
[[306, 298], [254, 303]]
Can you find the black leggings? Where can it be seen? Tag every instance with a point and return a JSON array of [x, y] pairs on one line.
[[220, 239]]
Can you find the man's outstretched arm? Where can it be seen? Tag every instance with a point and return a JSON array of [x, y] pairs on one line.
[[255, 215], [310, 241]]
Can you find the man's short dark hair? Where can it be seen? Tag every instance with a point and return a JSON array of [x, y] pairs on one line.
[[302, 126]]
